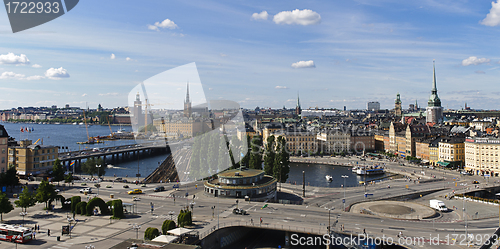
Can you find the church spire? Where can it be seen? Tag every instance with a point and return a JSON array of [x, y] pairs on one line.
[[298, 110], [434, 88], [434, 98], [187, 93]]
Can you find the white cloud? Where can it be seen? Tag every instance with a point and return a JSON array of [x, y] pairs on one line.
[[281, 87], [303, 64], [11, 58], [260, 16], [167, 23], [35, 77], [108, 94], [492, 18], [112, 56], [56, 73], [11, 75], [83, 95], [223, 55], [301, 17], [128, 59], [36, 66], [473, 60]]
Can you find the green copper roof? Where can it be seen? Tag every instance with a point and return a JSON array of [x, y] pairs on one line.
[[398, 99]]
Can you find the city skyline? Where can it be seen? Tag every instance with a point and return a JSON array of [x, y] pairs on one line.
[[334, 54]]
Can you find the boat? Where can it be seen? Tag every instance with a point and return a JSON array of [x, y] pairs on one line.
[[372, 170], [354, 169], [329, 178]]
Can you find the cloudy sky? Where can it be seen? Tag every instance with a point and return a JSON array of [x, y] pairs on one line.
[[334, 53]]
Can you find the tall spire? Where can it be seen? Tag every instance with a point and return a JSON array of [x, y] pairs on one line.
[[298, 100], [187, 93], [434, 88]]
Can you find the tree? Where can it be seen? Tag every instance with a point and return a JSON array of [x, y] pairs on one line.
[[270, 153], [5, 205], [151, 233], [10, 177], [167, 225], [90, 168], [281, 161], [45, 193], [118, 209], [26, 199], [57, 171], [255, 161], [68, 178]]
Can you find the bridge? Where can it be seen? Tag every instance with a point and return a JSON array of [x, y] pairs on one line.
[[115, 154]]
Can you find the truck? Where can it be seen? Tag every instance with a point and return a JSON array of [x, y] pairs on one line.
[[438, 205]]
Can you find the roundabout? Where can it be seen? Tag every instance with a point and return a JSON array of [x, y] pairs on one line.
[[394, 209]]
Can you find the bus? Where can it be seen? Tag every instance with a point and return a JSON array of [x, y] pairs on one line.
[[16, 234]]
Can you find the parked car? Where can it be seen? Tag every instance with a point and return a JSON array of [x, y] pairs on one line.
[[159, 189], [135, 191], [118, 179], [475, 182], [125, 186], [239, 211], [88, 190]]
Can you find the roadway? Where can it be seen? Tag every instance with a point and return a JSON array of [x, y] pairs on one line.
[[310, 217]]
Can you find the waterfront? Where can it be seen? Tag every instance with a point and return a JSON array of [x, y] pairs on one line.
[[315, 175]]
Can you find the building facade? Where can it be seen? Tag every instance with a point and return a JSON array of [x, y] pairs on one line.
[[32, 159], [373, 106], [4, 136], [452, 151], [334, 141], [398, 111], [481, 156]]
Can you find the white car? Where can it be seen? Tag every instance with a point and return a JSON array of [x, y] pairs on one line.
[[88, 190]]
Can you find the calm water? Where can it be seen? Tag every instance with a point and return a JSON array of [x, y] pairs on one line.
[[68, 135], [315, 175]]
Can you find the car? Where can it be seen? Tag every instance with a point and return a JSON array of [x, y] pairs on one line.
[[86, 190], [239, 211], [135, 191], [118, 179], [475, 182], [159, 189], [109, 186], [57, 190], [125, 186]]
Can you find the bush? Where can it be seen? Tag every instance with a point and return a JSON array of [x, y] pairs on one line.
[[74, 201], [184, 218], [167, 225], [81, 208], [151, 233], [118, 209], [96, 201]]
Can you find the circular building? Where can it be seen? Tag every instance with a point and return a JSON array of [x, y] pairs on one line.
[[239, 183]]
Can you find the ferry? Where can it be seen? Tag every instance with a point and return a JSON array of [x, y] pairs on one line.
[[329, 178], [371, 170]]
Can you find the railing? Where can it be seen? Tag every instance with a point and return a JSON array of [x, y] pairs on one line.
[[317, 231]]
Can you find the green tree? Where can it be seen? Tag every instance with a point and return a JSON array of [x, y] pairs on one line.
[[167, 225], [45, 193], [270, 153], [281, 161], [26, 199], [5, 205], [57, 171], [90, 168], [68, 178], [74, 201], [255, 161], [118, 209], [10, 177], [151, 233]]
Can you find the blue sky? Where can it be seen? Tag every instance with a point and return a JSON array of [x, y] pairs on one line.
[[364, 50]]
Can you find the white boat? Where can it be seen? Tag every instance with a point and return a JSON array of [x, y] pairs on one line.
[[329, 178], [354, 169], [372, 170]]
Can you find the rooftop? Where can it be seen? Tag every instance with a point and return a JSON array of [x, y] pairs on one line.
[[237, 173]]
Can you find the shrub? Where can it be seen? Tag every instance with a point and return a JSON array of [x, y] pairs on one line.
[[81, 208], [74, 201], [96, 201], [151, 233], [167, 225], [184, 218], [118, 209]]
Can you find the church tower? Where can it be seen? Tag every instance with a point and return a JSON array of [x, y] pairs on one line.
[[187, 104], [397, 106], [137, 112], [298, 110], [434, 109]]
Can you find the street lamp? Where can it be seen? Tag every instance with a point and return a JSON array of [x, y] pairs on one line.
[[171, 213], [136, 228], [98, 185], [192, 205], [23, 214], [67, 203], [70, 220], [344, 176], [329, 210]]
